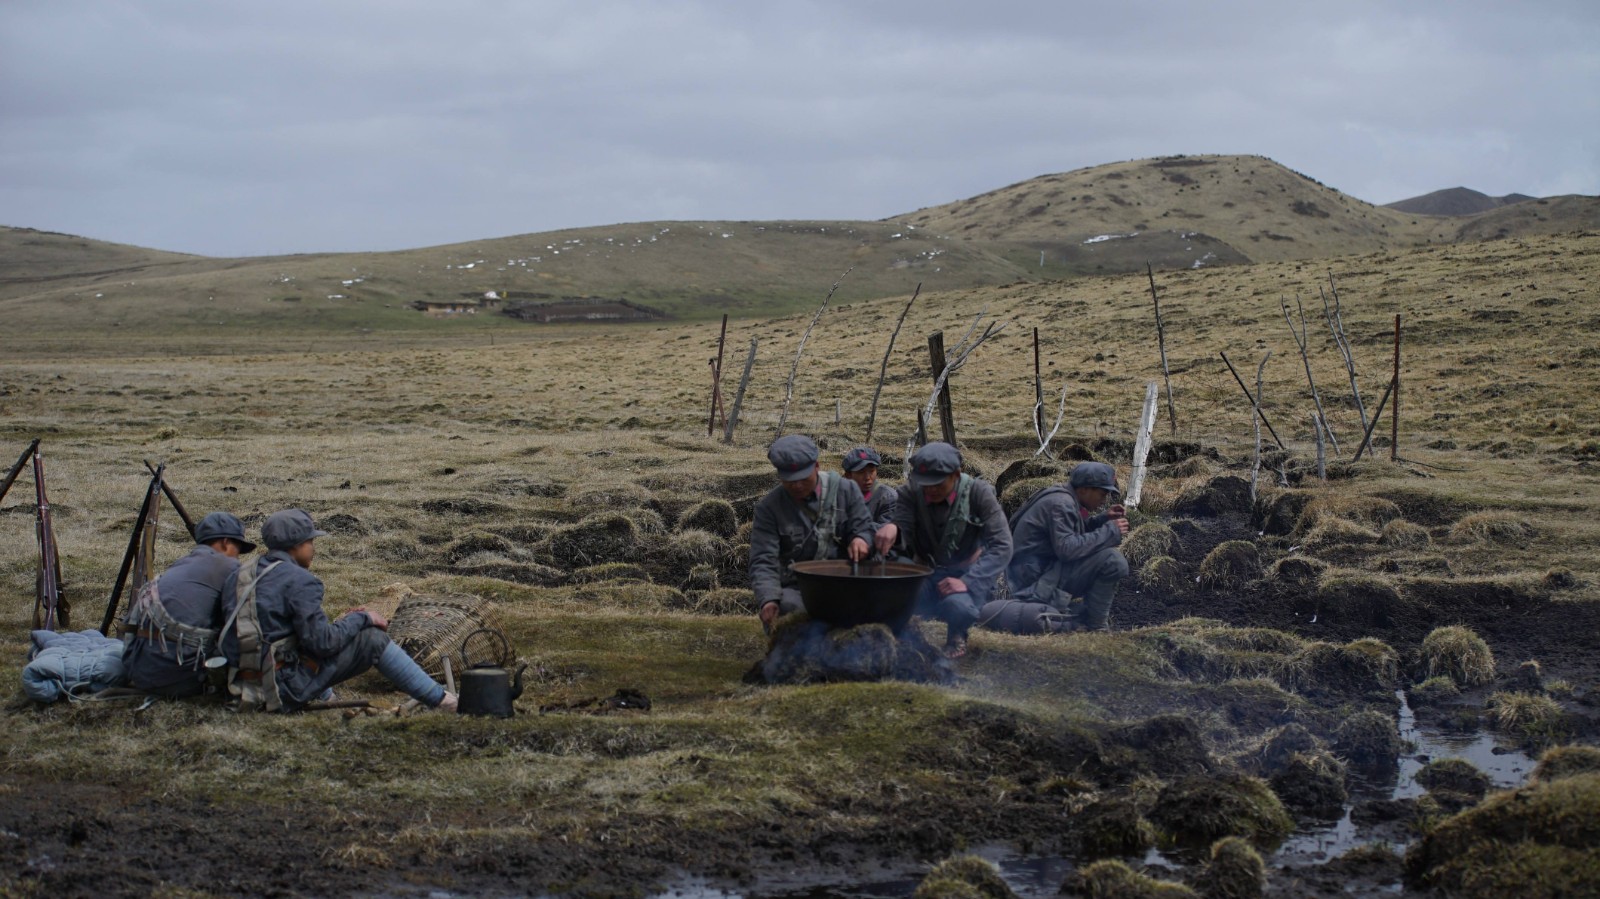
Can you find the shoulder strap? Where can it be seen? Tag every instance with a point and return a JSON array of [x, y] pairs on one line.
[[955, 527], [827, 513]]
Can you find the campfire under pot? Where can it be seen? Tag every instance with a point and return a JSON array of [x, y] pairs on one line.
[[840, 594]]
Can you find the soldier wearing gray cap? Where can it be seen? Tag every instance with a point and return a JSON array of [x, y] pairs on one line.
[[172, 624], [953, 522], [284, 650], [861, 466], [810, 515], [1063, 551]]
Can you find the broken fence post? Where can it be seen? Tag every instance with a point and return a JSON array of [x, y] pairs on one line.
[[1377, 415], [941, 385], [738, 396], [716, 378], [1394, 411], [1141, 444], [1161, 341], [1258, 419]]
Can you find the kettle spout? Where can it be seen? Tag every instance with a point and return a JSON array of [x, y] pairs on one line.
[[516, 683]]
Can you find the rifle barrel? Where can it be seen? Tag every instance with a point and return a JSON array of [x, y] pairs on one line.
[[172, 497], [16, 469], [152, 495]]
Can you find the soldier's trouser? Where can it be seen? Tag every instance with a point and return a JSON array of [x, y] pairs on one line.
[[958, 610], [789, 602], [370, 647], [1095, 578]]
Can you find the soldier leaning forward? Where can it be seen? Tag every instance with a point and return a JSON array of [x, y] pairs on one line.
[[1063, 551], [283, 648], [861, 465], [173, 622], [810, 515], [953, 522]]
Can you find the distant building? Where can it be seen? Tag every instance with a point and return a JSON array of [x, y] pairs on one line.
[[582, 309], [469, 304]]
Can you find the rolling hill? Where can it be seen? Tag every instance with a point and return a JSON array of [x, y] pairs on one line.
[[1177, 212], [1456, 201]]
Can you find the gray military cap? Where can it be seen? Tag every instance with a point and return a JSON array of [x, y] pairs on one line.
[[932, 464], [1095, 474], [861, 457], [288, 529], [794, 456], [218, 525]]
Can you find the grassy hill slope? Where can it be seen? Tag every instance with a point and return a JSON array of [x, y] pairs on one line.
[[1455, 201]]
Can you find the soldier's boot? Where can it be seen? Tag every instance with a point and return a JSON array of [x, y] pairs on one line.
[[1097, 604]]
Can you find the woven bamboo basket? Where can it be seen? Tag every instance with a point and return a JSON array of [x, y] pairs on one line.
[[429, 628]]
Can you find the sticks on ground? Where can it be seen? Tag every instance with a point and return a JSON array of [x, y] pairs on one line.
[[883, 370], [788, 390]]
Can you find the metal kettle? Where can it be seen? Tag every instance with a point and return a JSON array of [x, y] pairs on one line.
[[487, 688]]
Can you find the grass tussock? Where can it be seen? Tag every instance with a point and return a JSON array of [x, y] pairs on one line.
[[1402, 534], [961, 877], [1491, 527], [1148, 541], [1234, 871], [1113, 828], [1459, 654], [1435, 691], [1231, 565], [1454, 776], [1532, 716], [1567, 761], [1203, 809], [1369, 740], [1162, 575], [1336, 532], [1112, 879], [1370, 512]]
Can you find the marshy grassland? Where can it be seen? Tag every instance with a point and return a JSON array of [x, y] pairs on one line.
[[567, 474]]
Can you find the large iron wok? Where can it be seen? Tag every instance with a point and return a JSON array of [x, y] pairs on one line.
[[878, 593]]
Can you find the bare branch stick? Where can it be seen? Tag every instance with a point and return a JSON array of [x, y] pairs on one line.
[[1255, 466], [738, 397], [1300, 341], [788, 390], [883, 370], [1061, 412], [1336, 323], [1161, 341]]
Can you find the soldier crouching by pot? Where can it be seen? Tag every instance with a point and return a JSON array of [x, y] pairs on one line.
[[953, 522], [861, 466], [1063, 551], [283, 648], [173, 622], [810, 515]]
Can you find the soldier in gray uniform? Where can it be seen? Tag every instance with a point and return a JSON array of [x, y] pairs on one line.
[[861, 465], [285, 650], [811, 514], [953, 522], [1064, 551], [173, 622]]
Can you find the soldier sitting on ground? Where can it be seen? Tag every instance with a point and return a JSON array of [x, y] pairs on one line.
[[285, 650], [953, 522], [861, 465], [810, 515], [173, 623], [1063, 551]]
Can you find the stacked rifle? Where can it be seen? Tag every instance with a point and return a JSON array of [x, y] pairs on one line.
[[51, 611]]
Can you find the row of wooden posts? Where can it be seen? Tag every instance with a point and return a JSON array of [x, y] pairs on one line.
[[942, 366]]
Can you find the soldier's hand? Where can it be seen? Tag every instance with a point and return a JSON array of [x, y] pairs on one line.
[[1121, 525], [1117, 511], [952, 585], [858, 550], [769, 614], [378, 621], [884, 539]]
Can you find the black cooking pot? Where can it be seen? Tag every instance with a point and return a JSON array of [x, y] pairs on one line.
[[487, 688], [878, 593]]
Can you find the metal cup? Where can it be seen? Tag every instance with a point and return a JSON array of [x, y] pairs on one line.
[[217, 674]]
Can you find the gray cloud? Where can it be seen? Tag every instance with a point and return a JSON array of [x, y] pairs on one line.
[[376, 124]]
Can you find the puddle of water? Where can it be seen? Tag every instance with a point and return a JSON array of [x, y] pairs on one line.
[[1040, 876]]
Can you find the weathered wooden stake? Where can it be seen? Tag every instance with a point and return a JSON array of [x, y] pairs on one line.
[[1322, 450], [922, 428], [1161, 341], [1038, 391], [1377, 416], [1255, 402], [947, 418], [738, 396], [1258, 420], [883, 370], [1394, 412], [838, 410], [1141, 444], [716, 378]]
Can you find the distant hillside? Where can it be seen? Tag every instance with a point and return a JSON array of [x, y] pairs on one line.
[[1179, 212], [1456, 201], [1257, 209]]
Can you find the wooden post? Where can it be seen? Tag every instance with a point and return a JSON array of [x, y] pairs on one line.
[[1377, 415], [1255, 401], [1258, 420], [922, 428], [1322, 450], [716, 378], [947, 419], [838, 411], [1141, 444], [1336, 323], [1038, 391], [738, 396], [883, 370], [1394, 411], [1161, 341]]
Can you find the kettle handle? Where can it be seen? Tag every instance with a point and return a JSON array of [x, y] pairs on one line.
[[505, 645]]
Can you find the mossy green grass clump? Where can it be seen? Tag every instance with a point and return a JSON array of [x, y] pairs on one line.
[[1231, 565], [1201, 809], [1459, 654], [1112, 879], [1565, 761], [1234, 871], [961, 877], [1148, 541], [1368, 740]]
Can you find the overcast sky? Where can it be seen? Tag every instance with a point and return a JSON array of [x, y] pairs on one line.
[[243, 129]]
